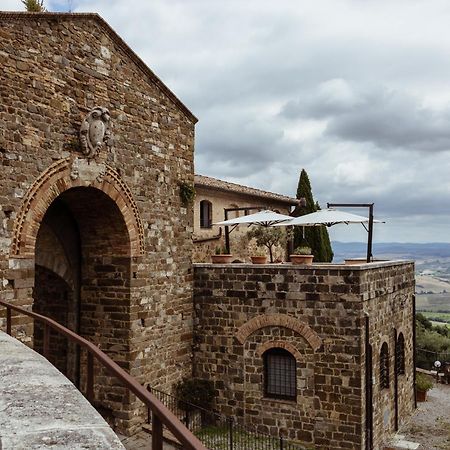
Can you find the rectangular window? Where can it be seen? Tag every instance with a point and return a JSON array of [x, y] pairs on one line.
[[280, 374]]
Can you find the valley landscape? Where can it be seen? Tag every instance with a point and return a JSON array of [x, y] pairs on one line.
[[432, 262]]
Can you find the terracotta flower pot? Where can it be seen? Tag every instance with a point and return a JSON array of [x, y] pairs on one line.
[[421, 396], [301, 259], [221, 259], [259, 259]]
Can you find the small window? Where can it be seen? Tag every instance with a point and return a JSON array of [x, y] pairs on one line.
[[205, 214], [400, 354], [384, 367], [280, 380]]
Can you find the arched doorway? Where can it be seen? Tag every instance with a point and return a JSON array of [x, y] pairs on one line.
[[82, 280]]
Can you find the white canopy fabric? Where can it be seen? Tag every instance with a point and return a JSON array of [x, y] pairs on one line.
[[264, 218], [327, 217]]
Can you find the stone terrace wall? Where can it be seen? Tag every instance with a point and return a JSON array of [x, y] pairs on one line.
[[318, 314], [55, 68]]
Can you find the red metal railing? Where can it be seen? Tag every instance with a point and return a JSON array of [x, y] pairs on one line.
[[161, 415]]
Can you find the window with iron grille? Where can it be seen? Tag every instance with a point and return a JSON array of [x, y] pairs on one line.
[[205, 214], [400, 354], [280, 374], [384, 366]]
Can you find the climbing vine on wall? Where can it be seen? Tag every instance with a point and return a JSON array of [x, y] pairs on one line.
[[187, 193]]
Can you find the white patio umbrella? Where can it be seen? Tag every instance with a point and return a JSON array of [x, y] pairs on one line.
[[329, 217], [264, 218]]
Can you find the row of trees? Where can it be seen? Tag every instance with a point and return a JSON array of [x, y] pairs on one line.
[[432, 341]]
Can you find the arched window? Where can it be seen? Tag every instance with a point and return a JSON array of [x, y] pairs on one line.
[[400, 354], [280, 374], [205, 214], [384, 366]]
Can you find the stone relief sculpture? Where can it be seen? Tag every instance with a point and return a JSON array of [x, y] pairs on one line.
[[95, 131]]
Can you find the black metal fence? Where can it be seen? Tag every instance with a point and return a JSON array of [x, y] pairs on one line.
[[425, 358], [219, 432]]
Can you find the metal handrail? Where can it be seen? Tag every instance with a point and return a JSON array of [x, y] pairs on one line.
[[161, 415]]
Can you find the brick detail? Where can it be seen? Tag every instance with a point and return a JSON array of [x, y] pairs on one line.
[[280, 320], [278, 344], [53, 182]]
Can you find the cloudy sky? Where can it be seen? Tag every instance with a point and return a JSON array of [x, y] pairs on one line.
[[356, 92]]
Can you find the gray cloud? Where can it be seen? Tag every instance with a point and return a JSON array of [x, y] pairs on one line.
[[384, 117], [358, 96]]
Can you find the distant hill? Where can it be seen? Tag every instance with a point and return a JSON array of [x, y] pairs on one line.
[[432, 250]]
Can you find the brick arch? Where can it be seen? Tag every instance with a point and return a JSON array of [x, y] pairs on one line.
[[278, 344], [60, 177], [279, 320]]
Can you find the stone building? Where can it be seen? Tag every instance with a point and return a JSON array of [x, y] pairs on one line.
[[212, 197], [323, 353], [94, 232]]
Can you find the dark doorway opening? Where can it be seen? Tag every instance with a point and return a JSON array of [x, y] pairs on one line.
[[82, 280]]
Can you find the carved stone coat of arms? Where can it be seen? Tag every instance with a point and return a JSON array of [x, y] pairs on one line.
[[95, 131]]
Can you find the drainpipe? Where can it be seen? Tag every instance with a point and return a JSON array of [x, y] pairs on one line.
[[369, 412], [395, 381], [414, 348]]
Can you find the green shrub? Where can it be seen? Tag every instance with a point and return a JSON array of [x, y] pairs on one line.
[[187, 193], [423, 383], [196, 392], [302, 250]]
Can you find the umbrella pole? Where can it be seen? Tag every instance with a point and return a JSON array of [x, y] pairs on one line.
[[370, 231], [227, 234], [369, 237]]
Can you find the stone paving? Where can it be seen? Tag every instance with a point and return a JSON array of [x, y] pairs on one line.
[[141, 441], [430, 424]]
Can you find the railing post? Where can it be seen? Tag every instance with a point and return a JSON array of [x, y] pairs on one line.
[[157, 433], [90, 377], [230, 432], [8, 321], [46, 348], [281, 442]]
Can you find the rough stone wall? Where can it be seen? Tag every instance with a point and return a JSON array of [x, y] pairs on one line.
[[388, 296], [297, 420], [319, 312], [55, 68], [240, 246]]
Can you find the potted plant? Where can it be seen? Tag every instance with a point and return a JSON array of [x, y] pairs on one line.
[[221, 256], [423, 385], [260, 256], [302, 255], [269, 237]]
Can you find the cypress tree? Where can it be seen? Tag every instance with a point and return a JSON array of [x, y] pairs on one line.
[[315, 237]]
